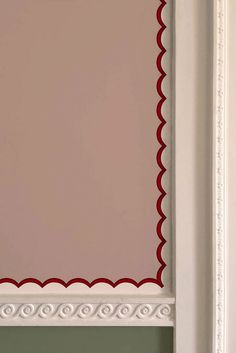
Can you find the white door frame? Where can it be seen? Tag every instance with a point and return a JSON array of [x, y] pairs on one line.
[[201, 321]]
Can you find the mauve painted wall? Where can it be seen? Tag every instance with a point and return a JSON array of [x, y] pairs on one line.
[[77, 139]]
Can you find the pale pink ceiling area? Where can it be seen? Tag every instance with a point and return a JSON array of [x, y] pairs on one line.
[[78, 139]]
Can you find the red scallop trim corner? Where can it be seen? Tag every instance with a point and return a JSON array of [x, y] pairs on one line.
[[158, 279]]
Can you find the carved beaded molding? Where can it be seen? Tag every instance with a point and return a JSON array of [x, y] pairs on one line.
[[219, 175], [86, 314]]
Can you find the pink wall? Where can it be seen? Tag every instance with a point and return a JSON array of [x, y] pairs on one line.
[[77, 139]]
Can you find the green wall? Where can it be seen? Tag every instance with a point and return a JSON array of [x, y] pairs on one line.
[[86, 340]]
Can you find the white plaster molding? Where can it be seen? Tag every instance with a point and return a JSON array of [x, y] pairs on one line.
[[85, 313], [220, 177]]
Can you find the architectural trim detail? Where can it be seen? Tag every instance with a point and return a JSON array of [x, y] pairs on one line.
[[219, 176], [83, 313]]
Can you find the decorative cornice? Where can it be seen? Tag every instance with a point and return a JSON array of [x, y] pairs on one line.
[[86, 313], [220, 181]]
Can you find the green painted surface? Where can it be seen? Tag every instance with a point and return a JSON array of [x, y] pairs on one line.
[[86, 340]]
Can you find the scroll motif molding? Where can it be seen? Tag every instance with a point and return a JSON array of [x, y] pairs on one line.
[[161, 314]]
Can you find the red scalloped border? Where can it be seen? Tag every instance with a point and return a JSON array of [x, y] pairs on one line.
[[158, 279]]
